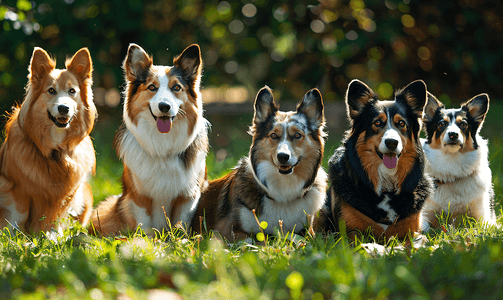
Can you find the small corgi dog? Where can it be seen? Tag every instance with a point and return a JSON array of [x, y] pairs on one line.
[[162, 142], [378, 184], [457, 160], [47, 156], [281, 179]]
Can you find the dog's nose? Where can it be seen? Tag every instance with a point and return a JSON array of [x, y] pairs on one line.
[[283, 158], [63, 109], [453, 135], [164, 107], [391, 144]]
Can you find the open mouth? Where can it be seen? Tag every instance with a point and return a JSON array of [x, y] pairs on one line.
[[287, 169], [389, 159], [60, 122], [163, 122]]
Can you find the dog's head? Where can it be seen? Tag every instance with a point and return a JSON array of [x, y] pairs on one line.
[[385, 133], [385, 128], [287, 143], [454, 130], [59, 102], [163, 100]]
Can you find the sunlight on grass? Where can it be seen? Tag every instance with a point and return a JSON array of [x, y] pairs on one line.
[[456, 261]]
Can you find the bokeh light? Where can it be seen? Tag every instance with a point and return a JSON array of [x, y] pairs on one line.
[[408, 21], [317, 26], [249, 10]]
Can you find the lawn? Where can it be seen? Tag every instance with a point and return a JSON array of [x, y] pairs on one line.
[[464, 262]]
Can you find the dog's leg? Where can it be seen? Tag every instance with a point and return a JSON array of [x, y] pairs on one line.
[[405, 227], [357, 223], [85, 216]]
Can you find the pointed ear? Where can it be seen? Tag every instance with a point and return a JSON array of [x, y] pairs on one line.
[[81, 65], [431, 107], [477, 107], [40, 65], [312, 107], [414, 96], [357, 96], [190, 63], [137, 63], [264, 105]]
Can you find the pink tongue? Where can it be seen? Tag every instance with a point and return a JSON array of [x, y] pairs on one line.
[[389, 162], [164, 125]]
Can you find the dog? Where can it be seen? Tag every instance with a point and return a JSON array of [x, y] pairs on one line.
[[457, 160], [378, 184], [47, 156], [281, 179], [162, 142]]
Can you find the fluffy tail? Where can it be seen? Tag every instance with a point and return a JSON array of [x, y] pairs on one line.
[[107, 218]]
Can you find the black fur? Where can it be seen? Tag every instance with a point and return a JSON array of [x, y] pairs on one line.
[[435, 112], [350, 182]]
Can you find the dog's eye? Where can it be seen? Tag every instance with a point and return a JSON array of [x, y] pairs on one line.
[[52, 91], [274, 136], [378, 122], [152, 88], [442, 124], [401, 123], [176, 88], [297, 135], [71, 91], [463, 125]]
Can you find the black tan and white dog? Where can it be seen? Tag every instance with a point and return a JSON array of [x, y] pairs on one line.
[[457, 160], [281, 178], [377, 175], [163, 144]]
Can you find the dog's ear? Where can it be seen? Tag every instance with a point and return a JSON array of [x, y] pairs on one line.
[[431, 107], [264, 105], [40, 65], [358, 96], [312, 107], [414, 96], [81, 65], [477, 108], [190, 63], [137, 63]]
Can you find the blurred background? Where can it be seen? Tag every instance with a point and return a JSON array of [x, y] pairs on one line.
[[456, 47]]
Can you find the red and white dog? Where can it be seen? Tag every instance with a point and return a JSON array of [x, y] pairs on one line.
[[47, 155], [163, 144]]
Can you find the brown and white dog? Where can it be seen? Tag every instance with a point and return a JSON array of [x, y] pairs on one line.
[[281, 178], [163, 144], [47, 156], [457, 160]]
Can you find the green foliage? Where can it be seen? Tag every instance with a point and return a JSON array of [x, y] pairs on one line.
[[290, 45]]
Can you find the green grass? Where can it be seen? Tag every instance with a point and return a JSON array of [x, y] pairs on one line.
[[464, 262]]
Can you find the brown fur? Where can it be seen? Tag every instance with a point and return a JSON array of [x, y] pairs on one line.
[[166, 185], [42, 175], [228, 202], [358, 223]]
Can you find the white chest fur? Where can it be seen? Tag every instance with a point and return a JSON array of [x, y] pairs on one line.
[[294, 214], [162, 178], [465, 181]]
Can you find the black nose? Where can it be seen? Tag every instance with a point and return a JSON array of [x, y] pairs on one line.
[[63, 109], [391, 144], [453, 135], [164, 107], [283, 157]]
